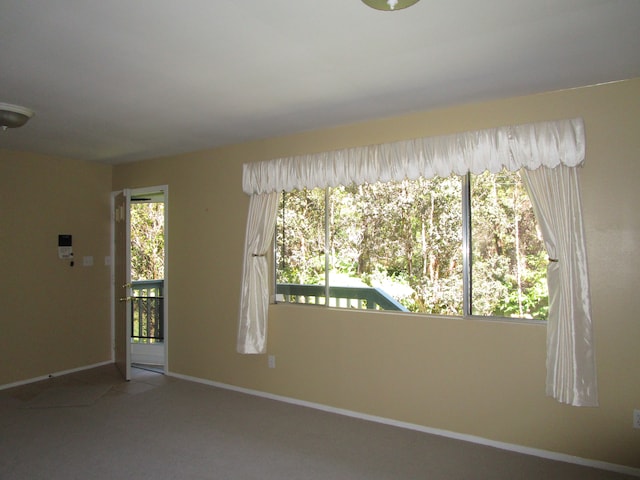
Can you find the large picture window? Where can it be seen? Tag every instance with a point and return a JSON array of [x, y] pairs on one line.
[[461, 245], [374, 234]]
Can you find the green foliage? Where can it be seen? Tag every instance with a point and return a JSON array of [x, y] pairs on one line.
[[301, 223], [509, 260], [147, 241], [406, 238]]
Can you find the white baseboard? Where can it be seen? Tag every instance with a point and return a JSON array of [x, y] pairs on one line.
[[536, 452], [54, 374]]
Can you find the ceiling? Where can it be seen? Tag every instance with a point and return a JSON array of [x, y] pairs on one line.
[[120, 80]]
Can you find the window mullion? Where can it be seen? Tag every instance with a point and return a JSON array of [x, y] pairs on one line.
[[327, 207], [466, 245], [274, 297]]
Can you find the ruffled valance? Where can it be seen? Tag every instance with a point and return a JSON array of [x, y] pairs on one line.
[[528, 146]]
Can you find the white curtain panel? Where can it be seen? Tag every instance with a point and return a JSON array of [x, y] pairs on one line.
[[531, 145], [254, 299], [571, 370]]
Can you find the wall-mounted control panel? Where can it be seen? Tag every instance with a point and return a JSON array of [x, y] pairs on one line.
[[65, 247]]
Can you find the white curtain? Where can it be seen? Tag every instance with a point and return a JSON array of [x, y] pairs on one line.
[[571, 371], [529, 146], [254, 299]]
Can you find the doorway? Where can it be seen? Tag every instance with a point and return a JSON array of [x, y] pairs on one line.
[[144, 252]]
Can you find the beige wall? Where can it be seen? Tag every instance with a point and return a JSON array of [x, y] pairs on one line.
[[468, 376], [53, 317]]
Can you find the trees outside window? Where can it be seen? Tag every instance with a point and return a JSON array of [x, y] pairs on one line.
[[147, 241], [407, 238]]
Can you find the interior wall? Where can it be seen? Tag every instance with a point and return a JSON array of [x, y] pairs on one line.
[[53, 317], [468, 376]]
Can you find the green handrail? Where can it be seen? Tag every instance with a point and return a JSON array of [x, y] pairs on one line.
[[369, 298]]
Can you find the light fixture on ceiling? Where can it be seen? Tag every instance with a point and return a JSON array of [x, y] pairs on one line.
[[390, 4], [13, 116]]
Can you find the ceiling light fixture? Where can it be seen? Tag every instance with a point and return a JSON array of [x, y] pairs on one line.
[[13, 116], [390, 4]]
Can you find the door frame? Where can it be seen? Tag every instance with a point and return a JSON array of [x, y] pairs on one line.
[[136, 192]]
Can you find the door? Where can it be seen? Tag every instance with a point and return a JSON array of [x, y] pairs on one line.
[[122, 283]]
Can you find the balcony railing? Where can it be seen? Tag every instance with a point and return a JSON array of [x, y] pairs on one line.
[[365, 298], [147, 311]]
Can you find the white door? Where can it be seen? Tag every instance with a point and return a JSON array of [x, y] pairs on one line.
[[122, 283]]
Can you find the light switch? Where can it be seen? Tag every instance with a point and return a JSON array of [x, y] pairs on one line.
[[87, 261]]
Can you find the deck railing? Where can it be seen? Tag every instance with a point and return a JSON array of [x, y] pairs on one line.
[[147, 311], [366, 298]]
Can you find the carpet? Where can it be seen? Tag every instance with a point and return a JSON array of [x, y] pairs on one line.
[[68, 396], [193, 431]]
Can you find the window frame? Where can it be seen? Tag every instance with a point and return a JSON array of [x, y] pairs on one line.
[[467, 264]]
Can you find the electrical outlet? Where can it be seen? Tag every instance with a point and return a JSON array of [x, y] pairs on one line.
[[636, 418], [272, 361]]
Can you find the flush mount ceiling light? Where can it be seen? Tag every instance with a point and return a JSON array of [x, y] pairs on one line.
[[13, 116], [390, 4]]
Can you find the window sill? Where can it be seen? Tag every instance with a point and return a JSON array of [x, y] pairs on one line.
[[473, 318]]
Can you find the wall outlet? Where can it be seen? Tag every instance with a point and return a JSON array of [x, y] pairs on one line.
[[636, 418], [272, 361]]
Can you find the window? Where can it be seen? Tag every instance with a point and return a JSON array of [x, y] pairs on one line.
[[549, 153], [445, 246]]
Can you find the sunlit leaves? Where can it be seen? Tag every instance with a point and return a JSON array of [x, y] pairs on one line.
[[147, 241], [406, 238]]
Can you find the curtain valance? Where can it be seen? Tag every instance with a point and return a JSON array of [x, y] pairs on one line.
[[530, 146]]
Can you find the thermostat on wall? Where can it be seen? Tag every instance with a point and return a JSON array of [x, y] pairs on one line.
[[65, 247]]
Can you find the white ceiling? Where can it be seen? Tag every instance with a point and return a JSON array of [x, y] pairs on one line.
[[124, 80]]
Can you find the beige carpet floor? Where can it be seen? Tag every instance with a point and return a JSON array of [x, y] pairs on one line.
[[159, 428], [68, 396]]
